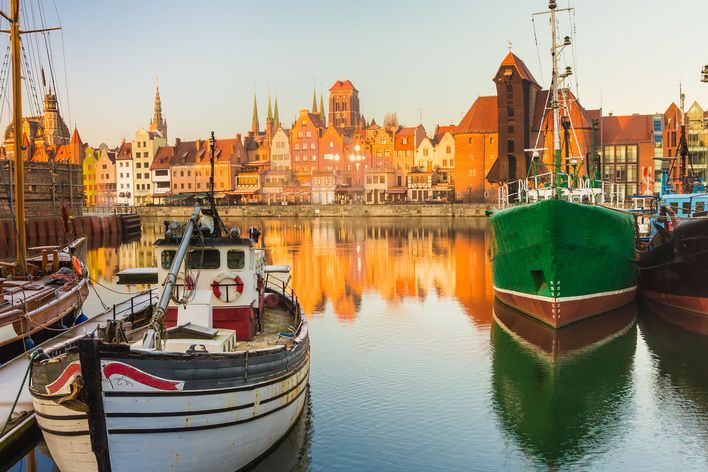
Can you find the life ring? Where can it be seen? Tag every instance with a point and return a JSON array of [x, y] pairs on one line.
[[76, 264], [216, 288]]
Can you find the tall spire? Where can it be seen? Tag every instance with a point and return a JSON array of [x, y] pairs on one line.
[[270, 110], [276, 118], [254, 122], [314, 101], [322, 113], [158, 123]]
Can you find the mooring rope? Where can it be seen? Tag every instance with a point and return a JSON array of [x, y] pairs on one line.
[[19, 392]]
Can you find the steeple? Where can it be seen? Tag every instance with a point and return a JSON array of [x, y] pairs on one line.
[[314, 101], [254, 122], [270, 110], [276, 118], [158, 123], [270, 127], [322, 113]]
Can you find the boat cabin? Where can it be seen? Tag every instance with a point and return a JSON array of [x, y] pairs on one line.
[[220, 286]]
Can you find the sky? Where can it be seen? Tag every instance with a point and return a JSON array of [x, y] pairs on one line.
[[420, 58]]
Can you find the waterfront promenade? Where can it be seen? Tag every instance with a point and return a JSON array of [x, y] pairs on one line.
[[309, 211]]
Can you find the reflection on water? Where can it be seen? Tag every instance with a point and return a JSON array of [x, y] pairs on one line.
[[562, 393], [414, 367]]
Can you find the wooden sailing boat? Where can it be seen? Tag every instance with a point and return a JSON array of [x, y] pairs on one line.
[[42, 292], [560, 255]]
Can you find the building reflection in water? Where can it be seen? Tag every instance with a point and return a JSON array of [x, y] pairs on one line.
[[337, 260], [560, 394]]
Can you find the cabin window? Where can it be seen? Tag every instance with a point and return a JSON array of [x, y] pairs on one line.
[[700, 206], [204, 259], [236, 259], [686, 208], [167, 257]]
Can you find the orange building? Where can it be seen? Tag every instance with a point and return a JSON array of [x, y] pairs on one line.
[[406, 142], [628, 153], [343, 105], [332, 145], [305, 142], [476, 149]]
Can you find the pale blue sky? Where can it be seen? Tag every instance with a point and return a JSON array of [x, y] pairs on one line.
[[410, 57]]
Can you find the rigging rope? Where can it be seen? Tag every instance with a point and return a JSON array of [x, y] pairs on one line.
[[538, 51], [19, 392]]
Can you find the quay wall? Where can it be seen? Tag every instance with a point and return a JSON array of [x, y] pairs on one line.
[[101, 230], [314, 211]]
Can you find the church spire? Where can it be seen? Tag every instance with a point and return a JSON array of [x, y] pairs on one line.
[[158, 123], [314, 101], [270, 110], [276, 118], [254, 122], [322, 112]]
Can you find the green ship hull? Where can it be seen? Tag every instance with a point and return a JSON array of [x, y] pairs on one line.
[[562, 262]]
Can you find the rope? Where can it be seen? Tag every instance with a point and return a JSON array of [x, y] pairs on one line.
[[538, 51], [105, 307], [19, 392], [94, 281]]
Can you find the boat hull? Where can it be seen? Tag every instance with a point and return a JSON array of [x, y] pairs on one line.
[[217, 412], [674, 273], [562, 262]]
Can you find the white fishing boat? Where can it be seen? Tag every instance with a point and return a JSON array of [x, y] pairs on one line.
[[216, 378]]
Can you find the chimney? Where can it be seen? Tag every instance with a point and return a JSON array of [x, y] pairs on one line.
[[178, 141]]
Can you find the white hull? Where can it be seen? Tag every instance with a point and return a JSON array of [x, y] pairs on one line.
[[153, 433]]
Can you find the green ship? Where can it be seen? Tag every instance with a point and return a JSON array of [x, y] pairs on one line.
[[558, 254]]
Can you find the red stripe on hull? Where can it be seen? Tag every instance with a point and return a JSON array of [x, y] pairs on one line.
[[561, 312], [694, 304]]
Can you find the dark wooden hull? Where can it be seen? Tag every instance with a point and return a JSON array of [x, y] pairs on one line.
[[675, 272]]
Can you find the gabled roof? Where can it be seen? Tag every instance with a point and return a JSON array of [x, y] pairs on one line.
[[482, 117], [627, 129], [342, 85], [162, 158], [125, 151], [441, 130], [512, 59]]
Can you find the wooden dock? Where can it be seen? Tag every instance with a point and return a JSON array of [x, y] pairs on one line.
[[12, 372]]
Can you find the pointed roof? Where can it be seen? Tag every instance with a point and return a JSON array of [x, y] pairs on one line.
[[322, 113], [314, 101], [512, 59], [254, 121], [441, 130], [276, 118], [270, 110], [75, 138], [482, 117]]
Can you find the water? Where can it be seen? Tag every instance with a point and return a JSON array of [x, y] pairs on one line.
[[411, 372]]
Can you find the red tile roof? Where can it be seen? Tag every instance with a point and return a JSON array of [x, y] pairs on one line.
[[441, 130], [482, 117], [125, 151], [342, 85], [162, 158], [627, 129], [513, 60]]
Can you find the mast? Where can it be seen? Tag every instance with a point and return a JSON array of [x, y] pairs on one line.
[[554, 96], [21, 246]]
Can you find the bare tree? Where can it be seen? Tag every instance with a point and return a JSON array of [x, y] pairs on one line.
[[391, 120]]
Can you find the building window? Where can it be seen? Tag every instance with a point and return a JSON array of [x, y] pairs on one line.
[[632, 153]]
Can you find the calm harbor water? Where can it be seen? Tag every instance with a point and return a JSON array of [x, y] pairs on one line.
[[415, 368]]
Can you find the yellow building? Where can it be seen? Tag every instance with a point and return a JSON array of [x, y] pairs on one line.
[[89, 170]]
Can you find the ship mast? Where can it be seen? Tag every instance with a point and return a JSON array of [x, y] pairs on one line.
[[554, 96], [15, 47], [19, 177]]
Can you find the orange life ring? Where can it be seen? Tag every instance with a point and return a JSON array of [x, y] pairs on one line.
[[216, 288], [76, 264]]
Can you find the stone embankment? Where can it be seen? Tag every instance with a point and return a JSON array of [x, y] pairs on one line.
[[313, 211], [101, 230]]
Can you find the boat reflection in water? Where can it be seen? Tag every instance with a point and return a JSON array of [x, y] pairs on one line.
[[558, 393], [686, 320], [680, 358]]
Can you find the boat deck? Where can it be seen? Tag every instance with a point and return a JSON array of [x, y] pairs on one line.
[[275, 320]]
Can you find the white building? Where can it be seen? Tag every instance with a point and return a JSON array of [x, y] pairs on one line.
[[280, 158], [144, 147], [124, 175]]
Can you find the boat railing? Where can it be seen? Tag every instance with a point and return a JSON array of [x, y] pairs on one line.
[[540, 187], [137, 303], [285, 288]]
